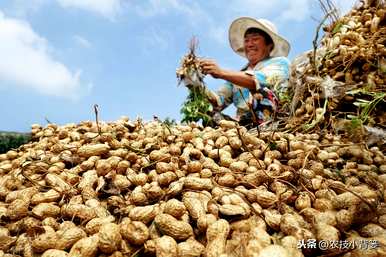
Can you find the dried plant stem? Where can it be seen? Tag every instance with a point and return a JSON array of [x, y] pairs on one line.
[[315, 42], [371, 206], [247, 148], [96, 107], [155, 162], [254, 117], [47, 120], [137, 252]]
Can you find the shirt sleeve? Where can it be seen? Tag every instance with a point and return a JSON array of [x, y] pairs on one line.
[[274, 75], [223, 96]]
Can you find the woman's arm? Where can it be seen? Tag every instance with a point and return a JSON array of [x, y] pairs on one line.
[[239, 78]]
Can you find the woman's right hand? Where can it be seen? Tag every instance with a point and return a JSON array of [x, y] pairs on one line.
[[209, 66]]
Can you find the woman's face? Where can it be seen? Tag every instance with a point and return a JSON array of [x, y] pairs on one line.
[[256, 48]]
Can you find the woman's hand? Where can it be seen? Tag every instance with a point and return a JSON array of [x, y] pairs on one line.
[[236, 77], [211, 67]]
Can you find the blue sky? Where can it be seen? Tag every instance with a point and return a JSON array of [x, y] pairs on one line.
[[60, 57]]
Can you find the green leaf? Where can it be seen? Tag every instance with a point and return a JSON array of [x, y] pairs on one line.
[[337, 27], [196, 106], [272, 146]]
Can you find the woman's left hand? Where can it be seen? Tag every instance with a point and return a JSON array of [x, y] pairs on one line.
[[211, 67]]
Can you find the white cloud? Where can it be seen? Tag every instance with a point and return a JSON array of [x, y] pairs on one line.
[[297, 10], [219, 34], [283, 10], [159, 7], [294, 10], [23, 8], [107, 8], [155, 7], [26, 61], [82, 41], [155, 38], [253, 8]]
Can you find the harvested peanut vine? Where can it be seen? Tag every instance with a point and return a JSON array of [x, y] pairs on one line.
[[197, 106], [341, 84]]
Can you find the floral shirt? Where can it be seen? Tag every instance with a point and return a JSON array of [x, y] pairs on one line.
[[271, 76]]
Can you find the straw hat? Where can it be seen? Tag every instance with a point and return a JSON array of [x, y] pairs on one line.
[[241, 25]]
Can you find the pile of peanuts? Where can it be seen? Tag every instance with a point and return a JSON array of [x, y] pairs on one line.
[[344, 73], [126, 188]]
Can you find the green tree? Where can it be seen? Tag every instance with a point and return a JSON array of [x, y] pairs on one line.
[[12, 140]]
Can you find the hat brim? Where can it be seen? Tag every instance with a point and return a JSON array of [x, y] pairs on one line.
[[236, 37]]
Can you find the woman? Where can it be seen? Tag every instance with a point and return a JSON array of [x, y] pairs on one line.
[[259, 85]]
